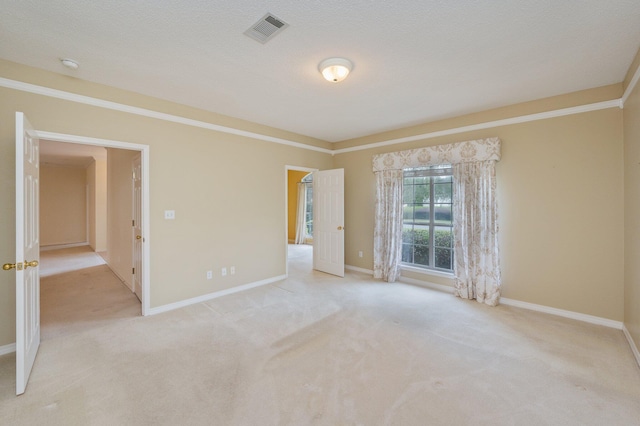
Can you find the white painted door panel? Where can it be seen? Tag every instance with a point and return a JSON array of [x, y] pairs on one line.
[[27, 251], [328, 221], [138, 238]]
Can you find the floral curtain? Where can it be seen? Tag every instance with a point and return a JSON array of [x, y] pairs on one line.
[[475, 232], [475, 228], [301, 214], [387, 236]]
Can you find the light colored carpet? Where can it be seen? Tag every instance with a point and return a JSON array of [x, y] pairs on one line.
[[321, 350]]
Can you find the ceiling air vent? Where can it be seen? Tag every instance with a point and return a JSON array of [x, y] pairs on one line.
[[266, 28]]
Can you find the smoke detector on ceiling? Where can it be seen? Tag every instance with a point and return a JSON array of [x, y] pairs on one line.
[[266, 28]]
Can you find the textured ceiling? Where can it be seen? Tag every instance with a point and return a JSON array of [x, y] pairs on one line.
[[414, 61]]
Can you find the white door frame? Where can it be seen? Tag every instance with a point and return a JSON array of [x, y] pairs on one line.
[[144, 150], [286, 210]]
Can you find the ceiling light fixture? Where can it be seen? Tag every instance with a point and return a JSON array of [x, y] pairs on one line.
[[70, 63], [335, 69]]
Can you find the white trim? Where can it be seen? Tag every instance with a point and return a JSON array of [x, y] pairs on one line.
[[490, 124], [425, 271], [214, 295], [62, 246], [101, 103], [630, 87], [634, 348], [427, 284], [357, 269], [146, 203], [7, 349], [563, 313]]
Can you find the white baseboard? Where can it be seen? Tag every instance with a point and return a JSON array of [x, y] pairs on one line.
[[563, 313], [8, 349], [634, 348], [357, 269], [62, 246], [214, 295]]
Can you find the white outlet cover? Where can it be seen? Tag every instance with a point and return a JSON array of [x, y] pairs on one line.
[[169, 214]]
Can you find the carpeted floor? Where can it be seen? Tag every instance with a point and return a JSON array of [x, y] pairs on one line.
[[321, 350]]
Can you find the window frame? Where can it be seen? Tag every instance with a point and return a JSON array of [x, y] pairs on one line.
[[431, 173]]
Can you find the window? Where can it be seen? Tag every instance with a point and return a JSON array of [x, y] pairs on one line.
[[427, 231], [308, 182]]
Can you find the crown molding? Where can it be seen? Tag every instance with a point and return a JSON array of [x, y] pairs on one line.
[[101, 103]]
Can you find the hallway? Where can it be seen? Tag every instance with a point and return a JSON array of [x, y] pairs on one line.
[[79, 292]]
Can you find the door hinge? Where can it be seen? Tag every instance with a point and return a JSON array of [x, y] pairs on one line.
[[133, 222], [133, 271]]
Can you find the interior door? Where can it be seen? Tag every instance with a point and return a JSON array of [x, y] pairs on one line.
[[138, 238], [27, 251], [328, 221]]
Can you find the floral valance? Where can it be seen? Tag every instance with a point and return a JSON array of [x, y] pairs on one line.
[[453, 153]]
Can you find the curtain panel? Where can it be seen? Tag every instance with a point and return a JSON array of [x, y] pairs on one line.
[[301, 214], [475, 211]]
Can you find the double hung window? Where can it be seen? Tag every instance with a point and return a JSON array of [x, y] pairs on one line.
[[427, 231]]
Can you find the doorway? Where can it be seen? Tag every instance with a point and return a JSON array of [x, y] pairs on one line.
[[299, 216]]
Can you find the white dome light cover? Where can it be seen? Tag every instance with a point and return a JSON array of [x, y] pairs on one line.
[[335, 69], [70, 63]]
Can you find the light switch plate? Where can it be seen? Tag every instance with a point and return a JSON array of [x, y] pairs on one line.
[[169, 214]]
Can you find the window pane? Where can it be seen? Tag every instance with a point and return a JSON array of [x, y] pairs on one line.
[[407, 213], [407, 253], [421, 180], [442, 193], [421, 215], [407, 234], [421, 194], [421, 236], [407, 194], [443, 214], [443, 237], [421, 255], [440, 179], [443, 258]]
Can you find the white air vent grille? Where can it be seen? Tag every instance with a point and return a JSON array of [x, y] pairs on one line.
[[266, 28]]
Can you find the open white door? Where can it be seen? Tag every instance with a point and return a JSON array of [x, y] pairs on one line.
[[27, 251], [138, 238], [328, 221]]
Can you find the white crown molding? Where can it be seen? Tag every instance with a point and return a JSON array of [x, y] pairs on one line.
[[87, 100], [563, 313], [214, 295], [7, 349], [634, 348], [630, 87], [490, 124]]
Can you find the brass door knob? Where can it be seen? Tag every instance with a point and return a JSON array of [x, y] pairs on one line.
[[138, 237], [33, 264], [340, 228], [8, 266]]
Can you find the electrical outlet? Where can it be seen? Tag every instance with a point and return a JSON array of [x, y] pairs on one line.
[[224, 272], [360, 254], [232, 270], [209, 275]]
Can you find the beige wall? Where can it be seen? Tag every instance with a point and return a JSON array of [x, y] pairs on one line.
[[632, 210], [201, 174], [560, 194], [120, 213], [293, 177], [97, 204], [63, 205]]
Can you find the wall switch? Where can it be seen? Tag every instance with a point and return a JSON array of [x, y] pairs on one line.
[[209, 275], [232, 270], [224, 271], [169, 214], [360, 254]]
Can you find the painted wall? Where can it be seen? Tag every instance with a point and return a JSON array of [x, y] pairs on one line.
[[120, 213], [97, 204], [224, 215], [632, 209], [560, 194], [63, 205], [293, 177]]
